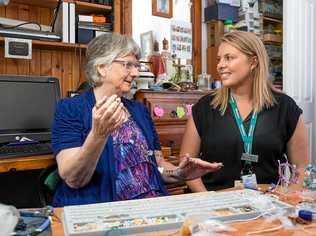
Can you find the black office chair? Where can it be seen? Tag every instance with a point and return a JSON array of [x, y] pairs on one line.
[[47, 183], [84, 86]]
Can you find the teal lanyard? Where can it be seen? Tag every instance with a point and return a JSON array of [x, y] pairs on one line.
[[247, 139]]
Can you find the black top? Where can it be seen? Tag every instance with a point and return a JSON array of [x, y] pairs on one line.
[[221, 140]]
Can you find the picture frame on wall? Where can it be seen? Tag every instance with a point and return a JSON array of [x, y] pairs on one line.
[[147, 43], [162, 8]]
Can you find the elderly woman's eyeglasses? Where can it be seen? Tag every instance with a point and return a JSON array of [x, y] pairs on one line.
[[129, 65]]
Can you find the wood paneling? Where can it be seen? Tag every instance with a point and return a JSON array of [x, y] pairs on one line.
[[2, 61], [67, 66], [117, 20], [123, 16], [23, 14], [196, 18], [46, 62], [42, 3], [35, 65], [211, 55], [126, 16]]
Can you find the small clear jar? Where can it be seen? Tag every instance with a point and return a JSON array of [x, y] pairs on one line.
[[204, 81]]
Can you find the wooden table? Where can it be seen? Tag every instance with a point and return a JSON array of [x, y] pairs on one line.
[[242, 228]]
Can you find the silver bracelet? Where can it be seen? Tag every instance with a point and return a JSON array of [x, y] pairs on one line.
[[175, 173]]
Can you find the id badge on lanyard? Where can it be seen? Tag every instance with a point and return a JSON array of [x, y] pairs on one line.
[[248, 177], [249, 181]]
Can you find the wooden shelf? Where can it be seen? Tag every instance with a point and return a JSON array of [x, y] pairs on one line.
[[53, 45], [272, 42], [57, 45], [274, 20], [81, 7], [39, 3], [86, 7]]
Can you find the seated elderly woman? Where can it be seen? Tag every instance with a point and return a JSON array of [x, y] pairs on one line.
[[106, 146]]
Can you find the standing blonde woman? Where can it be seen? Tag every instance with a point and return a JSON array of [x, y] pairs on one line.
[[247, 124]]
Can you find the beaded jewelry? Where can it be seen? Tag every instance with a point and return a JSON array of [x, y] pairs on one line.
[[288, 174]]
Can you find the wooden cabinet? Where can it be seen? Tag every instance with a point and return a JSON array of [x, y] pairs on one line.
[[162, 106], [166, 109], [64, 61]]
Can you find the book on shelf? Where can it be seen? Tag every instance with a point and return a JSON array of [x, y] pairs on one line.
[[89, 26], [72, 22], [65, 23], [92, 18], [101, 27], [104, 2]]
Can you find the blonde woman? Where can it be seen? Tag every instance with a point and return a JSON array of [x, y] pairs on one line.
[[247, 124]]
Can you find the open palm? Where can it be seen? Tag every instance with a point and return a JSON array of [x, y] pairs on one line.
[[192, 168]]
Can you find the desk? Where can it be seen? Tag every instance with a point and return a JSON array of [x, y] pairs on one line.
[[41, 162], [242, 227], [26, 163], [23, 173]]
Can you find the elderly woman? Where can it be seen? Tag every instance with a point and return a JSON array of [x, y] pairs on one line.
[[106, 146], [247, 124]]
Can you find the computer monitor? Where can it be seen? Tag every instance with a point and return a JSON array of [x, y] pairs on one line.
[[27, 106]]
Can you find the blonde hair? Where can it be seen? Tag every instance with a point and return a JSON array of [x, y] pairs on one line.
[[249, 44], [104, 49]]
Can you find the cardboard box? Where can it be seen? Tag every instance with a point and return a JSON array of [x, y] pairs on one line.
[[275, 38], [215, 30], [221, 12]]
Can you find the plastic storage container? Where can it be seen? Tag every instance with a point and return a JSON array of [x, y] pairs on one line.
[[228, 25], [204, 81]]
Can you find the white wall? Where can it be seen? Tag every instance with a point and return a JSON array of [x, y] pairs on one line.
[[299, 60], [144, 21]]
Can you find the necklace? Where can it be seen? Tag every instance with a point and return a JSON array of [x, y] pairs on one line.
[[126, 113]]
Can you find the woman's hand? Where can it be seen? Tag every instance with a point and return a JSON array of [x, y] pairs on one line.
[[193, 168], [189, 169], [107, 115]]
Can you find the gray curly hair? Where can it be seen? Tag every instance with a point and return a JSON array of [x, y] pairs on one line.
[[103, 49]]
